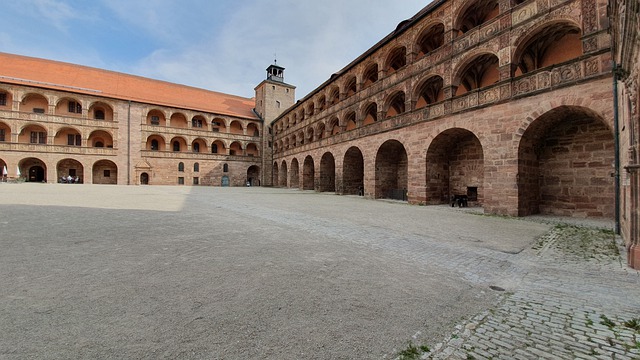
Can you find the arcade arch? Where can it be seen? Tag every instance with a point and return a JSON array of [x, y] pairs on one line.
[[105, 172], [308, 174], [353, 172], [327, 181], [391, 168]]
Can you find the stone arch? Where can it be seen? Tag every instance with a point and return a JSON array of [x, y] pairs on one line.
[[198, 122], [455, 166], [70, 167], [565, 158], [253, 175], [252, 130], [547, 44], [294, 174], [334, 126], [199, 145], [309, 135], [218, 125], [235, 148], [68, 135], [350, 121], [308, 173], [179, 120], [218, 147], [370, 114], [320, 131], [350, 87], [475, 13], [100, 110], [178, 144], [34, 102], [33, 133], [156, 142], [252, 149], [8, 98], [275, 174], [370, 75], [282, 180], [430, 90], [477, 71], [5, 132], [235, 127], [395, 104], [156, 117], [396, 60], [100, 138], [430, 39], [353, 172], [105, 172], [33, 170], [391, 180], [334, 95], [322, 103], [327, 181], [68, 106]]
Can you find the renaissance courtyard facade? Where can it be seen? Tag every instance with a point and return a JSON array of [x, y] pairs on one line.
[[511, 105]]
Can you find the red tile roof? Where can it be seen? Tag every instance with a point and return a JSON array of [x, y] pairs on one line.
[[23, 70]]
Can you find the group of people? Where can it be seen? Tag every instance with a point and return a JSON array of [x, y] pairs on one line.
[[70, 179]]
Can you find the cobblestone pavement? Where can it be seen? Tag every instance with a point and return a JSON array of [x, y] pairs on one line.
[[258, 273]]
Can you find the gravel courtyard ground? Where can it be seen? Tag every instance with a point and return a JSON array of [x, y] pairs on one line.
[[97, 272]]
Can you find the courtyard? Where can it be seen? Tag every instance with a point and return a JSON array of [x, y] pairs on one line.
[[98, 271]]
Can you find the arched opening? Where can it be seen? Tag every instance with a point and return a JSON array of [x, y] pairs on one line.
[[198, 145], [476, 14], [68, 136], [218, 125], [155, 143], [321, 131], [565, 159], [308, 174], [70, 170], [144, 179], [156, 117], [69, 107], [236, 128], [33, 134], [5, 132], [455, 168], [4, 174], [252, 130], [350, 121], [391, 171], [370, 75], [395, 104], [6, 99], [334, 125], [178, 120], [310, 109], [430, 39], [552, 44], [480, 72], [34, 103], [353, 172], [334, 95], [429, 92], [370, 114], [105, 172], [218, 147], [310, 135], [322, 103], [283, 174], [196, 167], [350, 87], [198, 121], [252, 150], [327, 181], [178, 144], [33, 170], [181, 166], [294, 176], [100, 138], [276, 175], [397, 59], [101, 111], [253, 175], [235, 149]]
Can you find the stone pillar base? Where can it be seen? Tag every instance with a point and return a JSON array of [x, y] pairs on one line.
[[633, 256]]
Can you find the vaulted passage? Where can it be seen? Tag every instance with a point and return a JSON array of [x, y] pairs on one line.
[[565, 159], [455, 167], [391, 171], [308, 174], [327, 173], [105, 172], [294, 179], [353, 172], [283, 175]]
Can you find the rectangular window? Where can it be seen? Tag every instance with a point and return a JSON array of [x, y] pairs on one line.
[[1, 134], [180, 180], [196, 181], [38, 137], [38, 110], [155, 120], [75, 108], [106, 173], [3, 99], [78, 140], [71, 140]]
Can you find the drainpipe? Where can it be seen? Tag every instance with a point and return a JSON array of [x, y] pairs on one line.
[[616, 141], [129, 144]]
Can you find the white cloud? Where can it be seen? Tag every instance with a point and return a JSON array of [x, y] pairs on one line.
[[57, 13]]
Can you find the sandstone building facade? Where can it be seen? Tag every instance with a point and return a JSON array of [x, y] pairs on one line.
[[518, 106]]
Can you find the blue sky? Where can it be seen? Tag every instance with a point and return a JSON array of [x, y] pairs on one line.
[[220, 45]]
